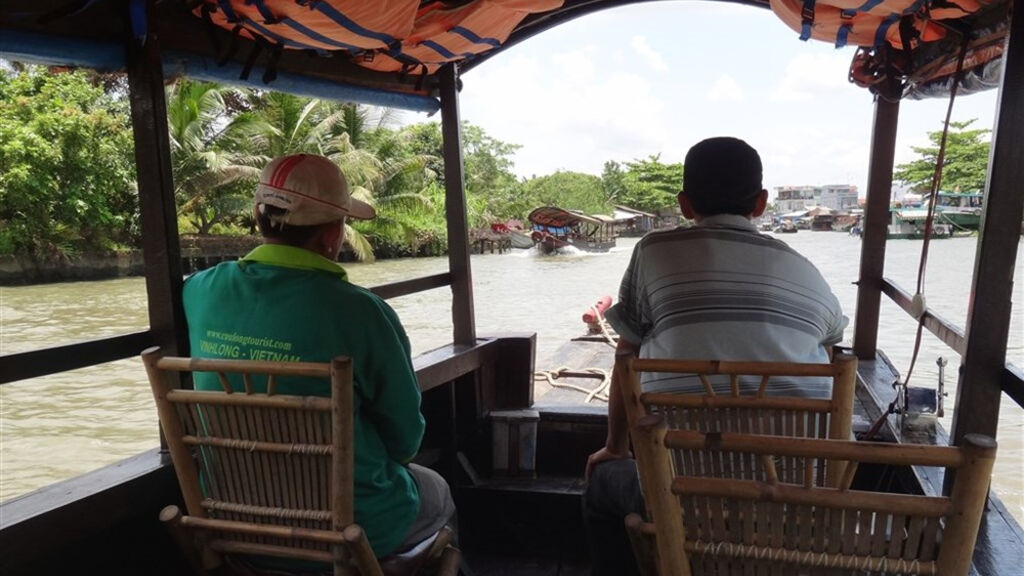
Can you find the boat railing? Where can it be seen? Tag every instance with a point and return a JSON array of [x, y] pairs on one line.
[[952, 336], [43, 362]]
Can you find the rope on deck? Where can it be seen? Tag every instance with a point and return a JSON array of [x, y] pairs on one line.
[[610, 338], [600, 392]]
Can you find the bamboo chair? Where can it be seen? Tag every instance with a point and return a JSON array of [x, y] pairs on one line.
[[747, 411], [272, 475], [765, 526], [739, 409]]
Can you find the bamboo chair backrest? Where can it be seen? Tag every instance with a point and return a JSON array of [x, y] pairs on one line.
[[272, 474], [752, 411], [711, 526]]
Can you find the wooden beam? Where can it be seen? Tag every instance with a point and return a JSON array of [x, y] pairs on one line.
[[990, 307], [1013, 383], [36, 363], [464, 324], [46, 521], [405, 287], [160, 246], [950, 334], [876, 223]]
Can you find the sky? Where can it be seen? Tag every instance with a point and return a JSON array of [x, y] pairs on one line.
[[657, 78]]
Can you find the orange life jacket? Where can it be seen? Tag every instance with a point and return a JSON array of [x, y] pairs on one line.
[[385, 35]]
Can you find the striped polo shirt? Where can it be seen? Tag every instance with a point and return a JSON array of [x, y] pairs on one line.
[[722, 291]]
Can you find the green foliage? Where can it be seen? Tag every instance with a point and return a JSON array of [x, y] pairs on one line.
[[568, 190], [67, 180], [966, 161], [66, 166], [492, 191], [212, 158], [647, 184]]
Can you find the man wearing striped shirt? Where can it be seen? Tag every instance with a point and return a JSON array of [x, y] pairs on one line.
[[716, 291]]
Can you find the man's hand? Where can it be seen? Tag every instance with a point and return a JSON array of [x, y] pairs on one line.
[[603, 455]]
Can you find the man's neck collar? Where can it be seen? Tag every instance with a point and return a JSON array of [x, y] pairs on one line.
[[727, 221], [287, 256]]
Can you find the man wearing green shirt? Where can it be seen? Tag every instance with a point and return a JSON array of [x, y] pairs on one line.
[[288, 300]]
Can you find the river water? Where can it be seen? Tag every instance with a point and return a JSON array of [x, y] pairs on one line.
[[59, 426]]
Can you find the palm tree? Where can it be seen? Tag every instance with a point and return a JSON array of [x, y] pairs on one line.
[[383, 171], [210, 153]]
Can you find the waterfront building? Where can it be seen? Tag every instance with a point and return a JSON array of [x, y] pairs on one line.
[[834, 196]]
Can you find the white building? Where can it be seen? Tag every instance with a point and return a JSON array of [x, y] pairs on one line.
[[833, 196], [794, 198]]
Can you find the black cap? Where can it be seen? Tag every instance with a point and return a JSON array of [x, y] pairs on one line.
[[722, 175]]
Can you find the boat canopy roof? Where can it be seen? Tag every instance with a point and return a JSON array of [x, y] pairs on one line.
[[389, 53], [557, 217], [627, 212]]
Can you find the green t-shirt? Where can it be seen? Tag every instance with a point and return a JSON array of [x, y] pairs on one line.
[[284, 303]]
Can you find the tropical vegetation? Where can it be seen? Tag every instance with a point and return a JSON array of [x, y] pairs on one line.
[[966, 160], [67, 181]]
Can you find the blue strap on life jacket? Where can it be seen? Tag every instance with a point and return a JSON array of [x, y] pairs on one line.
[[842, 34], [268, 16], [883, 29], [229, 12], [266, 32], [867, 6], [313, 34], [331, 12], [444, 52], [474, 38], [807, 20]]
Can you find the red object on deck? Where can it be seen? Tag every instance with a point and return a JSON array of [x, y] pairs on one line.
[[595, 313]]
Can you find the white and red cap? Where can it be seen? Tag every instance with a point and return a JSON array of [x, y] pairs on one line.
[[311, 189]]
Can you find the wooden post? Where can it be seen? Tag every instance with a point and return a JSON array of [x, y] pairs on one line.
[[876, 220], [989, 308], [968, 496], [655, 467], [464, 325], [159, 216]]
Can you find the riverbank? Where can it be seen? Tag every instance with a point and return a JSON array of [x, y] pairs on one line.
[[198, 253]]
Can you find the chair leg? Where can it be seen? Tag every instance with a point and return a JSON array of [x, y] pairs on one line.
[[201, 561], [643, 549]]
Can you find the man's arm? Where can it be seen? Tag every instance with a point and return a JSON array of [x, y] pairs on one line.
[[616, 445], [395, 408]]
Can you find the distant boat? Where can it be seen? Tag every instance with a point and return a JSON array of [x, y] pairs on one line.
[[512, 230], [520, 240], [962, 210], [909, 223], [785, 227], [555, 228]]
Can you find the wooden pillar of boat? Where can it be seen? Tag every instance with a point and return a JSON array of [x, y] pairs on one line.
[[989, 309], [159, 216], [464, 326], [876, 220]]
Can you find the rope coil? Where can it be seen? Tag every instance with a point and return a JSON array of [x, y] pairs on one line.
[[600, 392]]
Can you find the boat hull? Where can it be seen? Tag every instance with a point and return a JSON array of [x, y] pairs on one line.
[[549, 244]]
